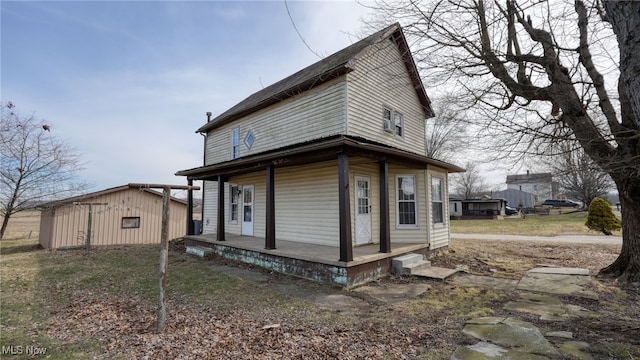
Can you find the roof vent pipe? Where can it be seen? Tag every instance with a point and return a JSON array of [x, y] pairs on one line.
[[208, 116]]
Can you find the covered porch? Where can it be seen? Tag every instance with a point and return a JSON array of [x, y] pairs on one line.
[[319, 263]]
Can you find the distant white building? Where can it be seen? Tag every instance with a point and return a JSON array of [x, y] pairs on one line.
[[541, 185]]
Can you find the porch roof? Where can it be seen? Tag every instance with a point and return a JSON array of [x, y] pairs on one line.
[[314, 151]]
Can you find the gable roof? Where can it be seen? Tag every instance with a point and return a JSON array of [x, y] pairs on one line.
[[93, 195], [327, 69]]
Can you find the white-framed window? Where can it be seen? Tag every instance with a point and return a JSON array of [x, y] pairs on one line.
[[235, 143], [398, 123], [387, 115], [234, 195], [437, 203], [406, 201], [393, 121]]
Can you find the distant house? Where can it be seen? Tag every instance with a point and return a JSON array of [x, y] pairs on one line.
[[516, 198], [466, 209], [323, 174], [125, 214], [541, 185]]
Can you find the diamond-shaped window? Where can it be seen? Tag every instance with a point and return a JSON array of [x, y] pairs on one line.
[[249, 139]]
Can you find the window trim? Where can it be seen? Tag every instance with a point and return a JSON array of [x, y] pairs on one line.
[[441, 201], [231, 203], [235, 143], [415, 201], [130, 222]]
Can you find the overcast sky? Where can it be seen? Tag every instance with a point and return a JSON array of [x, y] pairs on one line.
[[129, 82]]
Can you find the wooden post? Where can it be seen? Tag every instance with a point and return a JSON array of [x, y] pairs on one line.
[[164, 258], [385, 223], [190, 227], [220, 220], [270, 236], [87, 243], [344, 209]]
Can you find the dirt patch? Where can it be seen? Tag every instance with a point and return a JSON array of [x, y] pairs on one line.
[[270, 315]]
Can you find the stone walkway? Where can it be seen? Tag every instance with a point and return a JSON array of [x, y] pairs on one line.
[[510, 338]]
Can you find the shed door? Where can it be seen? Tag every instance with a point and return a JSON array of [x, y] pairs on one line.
[[247, 210], [363, 210]]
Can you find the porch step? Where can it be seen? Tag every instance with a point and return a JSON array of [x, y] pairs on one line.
[[409, 263], [199, 250]]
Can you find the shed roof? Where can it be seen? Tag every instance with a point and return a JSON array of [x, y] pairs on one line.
[[93, 195], [329, 68], [529, 178]]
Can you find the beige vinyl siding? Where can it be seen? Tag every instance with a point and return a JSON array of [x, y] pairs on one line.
[[439, 233], [210, 207], [69, 222], [399, 234], [306, 202], [314, 114], [380, 79]]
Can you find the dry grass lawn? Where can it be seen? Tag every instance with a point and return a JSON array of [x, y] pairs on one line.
[[71, 306]]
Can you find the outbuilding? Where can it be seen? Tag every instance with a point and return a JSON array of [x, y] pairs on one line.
[[127, 214]]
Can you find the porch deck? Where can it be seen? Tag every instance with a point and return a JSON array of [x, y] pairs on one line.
[[314, 262]]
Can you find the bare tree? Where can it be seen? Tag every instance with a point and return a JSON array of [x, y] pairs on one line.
[[470, 183], [445, 132], [34, 165], [542, 72], [578, 175]]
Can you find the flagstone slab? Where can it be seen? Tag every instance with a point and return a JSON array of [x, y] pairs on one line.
[[548, 307], [511, 333], [487, 351], [560, 271], [560, 284], [486, 281]]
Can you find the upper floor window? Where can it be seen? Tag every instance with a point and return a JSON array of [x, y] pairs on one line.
[[235, 143], [437, 204], [398, 122], [407, 209], [393, 122]]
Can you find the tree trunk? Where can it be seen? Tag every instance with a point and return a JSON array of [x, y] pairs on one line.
[[626, 268], [5, 222]]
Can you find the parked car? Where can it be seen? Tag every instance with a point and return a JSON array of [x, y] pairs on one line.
[[556, 203], [508, 210]]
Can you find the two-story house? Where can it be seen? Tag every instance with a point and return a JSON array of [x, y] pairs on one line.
[[541, 185], [323, 174]]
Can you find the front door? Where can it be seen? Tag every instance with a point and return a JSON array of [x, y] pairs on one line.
[[247, 210], [363, 210]]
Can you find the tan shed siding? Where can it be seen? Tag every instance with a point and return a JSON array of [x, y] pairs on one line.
[[379, 80], [306, 202], [46, 227], [408, 234], [364, 167], [70, 222], [312, 115], [439, 232]]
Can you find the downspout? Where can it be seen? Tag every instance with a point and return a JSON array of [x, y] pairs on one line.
[[204, 163]]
